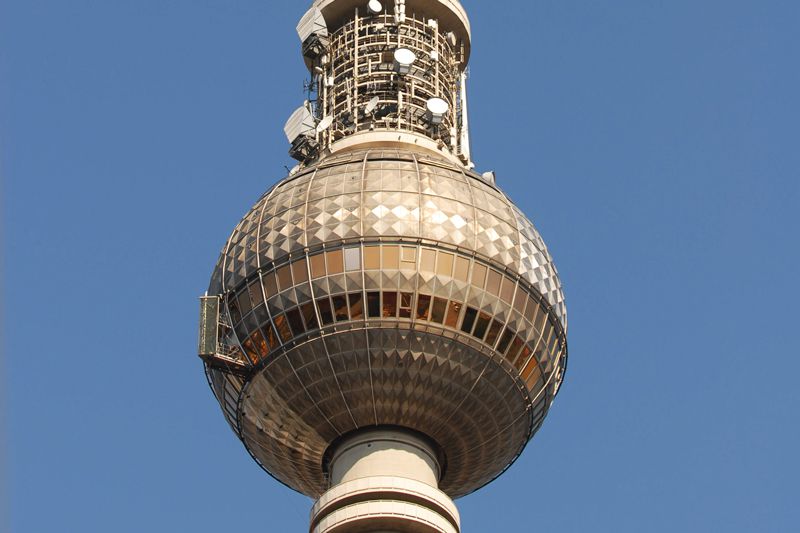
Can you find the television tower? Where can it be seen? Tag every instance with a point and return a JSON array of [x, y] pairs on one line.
[[384, 330]]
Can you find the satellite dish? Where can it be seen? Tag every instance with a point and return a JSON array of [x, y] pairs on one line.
[[437, 109], [372, 105], [324, 124], [374, 7], [403, 59], [437, 106]]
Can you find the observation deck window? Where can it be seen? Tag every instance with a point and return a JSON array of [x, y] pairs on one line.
[[406, 302], [444, 266], [244, 302], [325, 313], [340, 308], [389, 304], [300, 271], [270, 284], [493, 284], [469, 320], [482, 325], [285, 277], [295, 322], [283, 328], [461, 269], [374, 304], [372, 257], [356, 305], [391, 257], [335, 263], [317, 266], [453, 313], [423, 303], [479, 275], [494, 332], [352, 259], [439, 309]]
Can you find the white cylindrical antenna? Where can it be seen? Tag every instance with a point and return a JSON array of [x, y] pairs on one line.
[[466, 151], [374, 7]]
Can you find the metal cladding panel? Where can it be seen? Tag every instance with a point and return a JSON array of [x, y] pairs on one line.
[[296, 406]]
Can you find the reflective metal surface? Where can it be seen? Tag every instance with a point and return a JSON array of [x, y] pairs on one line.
[[387, 287]]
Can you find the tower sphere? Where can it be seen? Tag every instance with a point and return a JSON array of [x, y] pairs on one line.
[[389, 287]]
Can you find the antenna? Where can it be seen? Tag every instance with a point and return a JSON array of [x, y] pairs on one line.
[[313, 32], [374, 7], [301, 122], [437, 109], [300, 130], [312, 23], [324, 124], [372, 105], [403, 60]]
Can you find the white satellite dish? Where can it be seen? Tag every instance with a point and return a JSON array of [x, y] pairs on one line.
[[374, 7], [403, 59], [437, 109], [324, 124], [437, 106], [372, 105]]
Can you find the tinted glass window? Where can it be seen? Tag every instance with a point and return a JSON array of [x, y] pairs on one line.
[[374, 304], [454, 309], [355, 300], [295, 322], [310, 316], [340, 308], [482, 325], [317, 266], [423, 303], [469, 320], [389, 304], [494, 332], [325, 313]]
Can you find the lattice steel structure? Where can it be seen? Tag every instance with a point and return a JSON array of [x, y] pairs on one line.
[[384, 304]]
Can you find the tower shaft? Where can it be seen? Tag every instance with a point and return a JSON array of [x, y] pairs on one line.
[[382, 481]]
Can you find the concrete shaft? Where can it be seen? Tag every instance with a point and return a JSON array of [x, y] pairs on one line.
[[384, 481]]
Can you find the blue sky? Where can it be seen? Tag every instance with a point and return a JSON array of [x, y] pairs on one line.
[[654, 144]]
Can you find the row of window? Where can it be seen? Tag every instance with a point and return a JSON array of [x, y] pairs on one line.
[[251, 319], [376, 305], [387, 257]]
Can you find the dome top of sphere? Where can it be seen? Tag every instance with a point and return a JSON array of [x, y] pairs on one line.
[[381, 194]]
